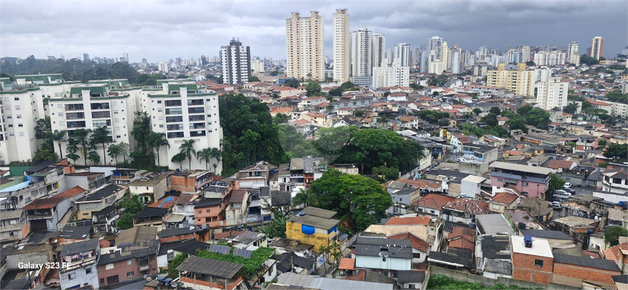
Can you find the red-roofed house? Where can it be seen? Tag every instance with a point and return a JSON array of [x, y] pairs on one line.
[[318, 120], [461, 238], [420, 248], [433, 203], [463, 210], [282, 110], [458, 140], [619, 255], [403, 221], [562, 165], [502, 201], [45, 213]]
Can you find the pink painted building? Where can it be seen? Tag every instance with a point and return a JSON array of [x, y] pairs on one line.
[[530, 181]]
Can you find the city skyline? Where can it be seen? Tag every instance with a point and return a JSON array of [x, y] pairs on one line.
[[141, 31]]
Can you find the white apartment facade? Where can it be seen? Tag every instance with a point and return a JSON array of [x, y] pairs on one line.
[[182, 111], [361, 53], [572, 53], [92, 106], [379, 49], [342, 46], [597, 47], [404, 54], [552, 94], [391, 76], [236, 63], [305, 47]]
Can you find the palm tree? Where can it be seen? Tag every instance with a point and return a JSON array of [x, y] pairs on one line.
[[324, 250], [217, 155], [80, 135], [304, 197], [204, 155], [157, 140], [100, 135], [335, 250], [187, 148], [58, 136]]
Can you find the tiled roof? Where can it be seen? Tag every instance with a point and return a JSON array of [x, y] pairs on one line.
[[417, 243], [418, 220], [505, 197], [46, 203], [462, 242], [468, 205], [564, 164], [420, 183], [237, 196], [434, 201], [346, 264]]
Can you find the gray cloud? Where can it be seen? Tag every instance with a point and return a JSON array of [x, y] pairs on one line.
[[162, 30]]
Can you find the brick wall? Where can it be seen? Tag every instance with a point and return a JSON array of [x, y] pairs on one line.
[[587, 274], [121, 268], [177, 238], [524, 268]]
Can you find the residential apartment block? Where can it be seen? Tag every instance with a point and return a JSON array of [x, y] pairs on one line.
[[236, 63], [341, 46], [305, 46], [520, 81], [183, 111], [552, 94]]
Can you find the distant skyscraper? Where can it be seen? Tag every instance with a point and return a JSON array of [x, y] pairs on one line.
[[342, 46], [435, 44], [403, 53], [435, 55], [85, 57], [236, 63], [572, 53], [305, 46], [457, 66], [361, 53], [597, 47], [423, 60], [445, 56], [126, 57], [525, 53], [379, 49]]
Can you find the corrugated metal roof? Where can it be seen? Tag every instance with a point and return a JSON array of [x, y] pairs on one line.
[[210, 267]]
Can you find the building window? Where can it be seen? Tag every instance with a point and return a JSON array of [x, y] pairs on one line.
[[538, 262], [88, 271], [130, 274], [206, 210], [129, 262], [72, 276], [383, 259], [200, 211], [524, 183]]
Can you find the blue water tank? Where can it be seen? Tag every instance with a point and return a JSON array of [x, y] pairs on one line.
[[168, 281], [527, 239], [590, 231], [161, 279], [28, 178]]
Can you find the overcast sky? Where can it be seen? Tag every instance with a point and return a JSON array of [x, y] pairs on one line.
[[162, 30]]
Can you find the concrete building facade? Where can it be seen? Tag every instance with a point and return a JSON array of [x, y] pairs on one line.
[[342, 46], [305, 47]]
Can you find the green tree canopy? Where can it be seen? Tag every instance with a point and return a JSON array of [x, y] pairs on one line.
[[587, 60], [612, 234], [375, 147], [361, 196], [555, 183], [292, 83], [495, 110], [617, 152], [313, 88], [253, 79], [572, 108]]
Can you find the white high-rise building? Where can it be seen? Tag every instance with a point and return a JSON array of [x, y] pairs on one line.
[[162, 66], [361, 53], [552, 94], [236, 63], [305, 47], [257, 65], [342, 46], [597, 47], [423, 57], [572, 53], [182, 113], [379, 49], [391, 76], [445, 56], [457, 65], [525, 53], [550, 58], [404, 54], [435, 44], [91, 106]]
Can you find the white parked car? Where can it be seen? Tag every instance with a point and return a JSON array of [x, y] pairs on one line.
[[556, 204], [561, 194], [567, 185]]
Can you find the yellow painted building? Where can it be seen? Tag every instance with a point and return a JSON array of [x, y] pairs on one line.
[[313, 226], [521, 81]]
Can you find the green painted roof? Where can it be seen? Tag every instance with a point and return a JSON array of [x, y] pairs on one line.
[[43, 79], [178, 87], [115, 83], [16, 181], [178, 96], [93, 89]]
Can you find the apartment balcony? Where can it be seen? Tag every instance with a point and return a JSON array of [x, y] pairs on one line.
[[614, 185]]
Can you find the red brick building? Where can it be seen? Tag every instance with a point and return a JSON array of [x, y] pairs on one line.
[[532, 262], [125, 265]]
